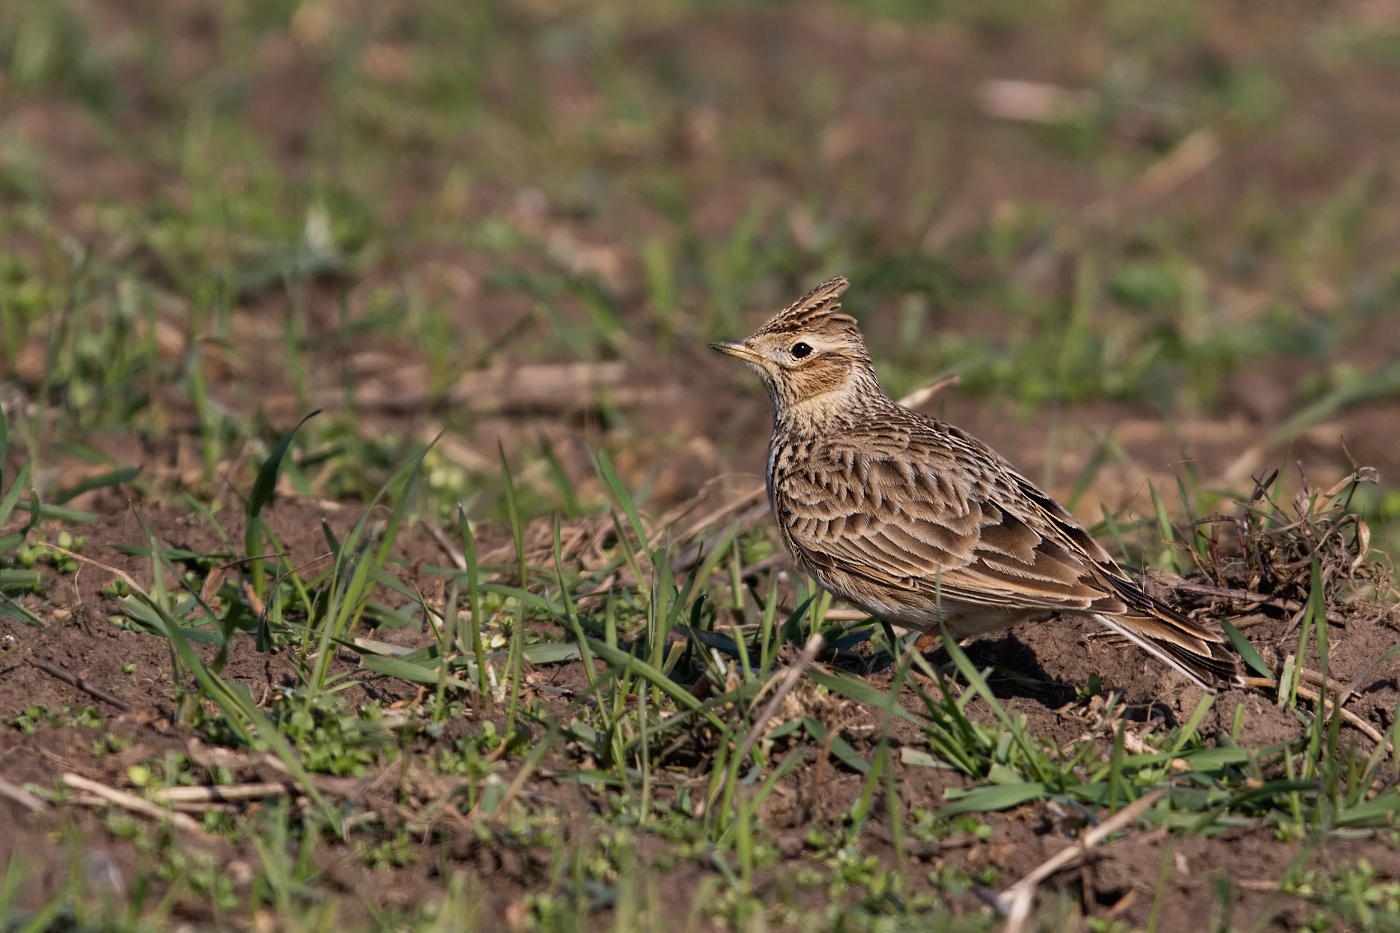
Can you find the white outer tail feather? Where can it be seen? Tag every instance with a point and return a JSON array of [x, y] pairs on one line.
[[1151, 649]]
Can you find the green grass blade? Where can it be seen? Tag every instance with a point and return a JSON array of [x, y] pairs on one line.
[[1245, 649], [411, 672], [856, 689], [101, 481], [13, 539], [994, 797], [264, 485], [621, 661]]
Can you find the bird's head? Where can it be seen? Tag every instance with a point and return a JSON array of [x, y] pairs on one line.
[[810, 355]]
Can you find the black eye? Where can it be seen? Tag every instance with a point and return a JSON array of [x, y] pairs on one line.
[[800, 349]]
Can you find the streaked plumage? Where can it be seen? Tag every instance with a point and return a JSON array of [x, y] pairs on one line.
[[916, 522]]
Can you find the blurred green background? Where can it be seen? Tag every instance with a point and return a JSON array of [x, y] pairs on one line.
[[217, 216]]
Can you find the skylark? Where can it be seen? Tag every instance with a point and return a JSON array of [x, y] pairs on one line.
[[918, 523]]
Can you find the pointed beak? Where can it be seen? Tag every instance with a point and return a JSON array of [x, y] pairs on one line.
[[736, 348]]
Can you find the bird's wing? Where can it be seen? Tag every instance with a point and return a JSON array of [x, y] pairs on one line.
[[931, 522], [1152, 617]]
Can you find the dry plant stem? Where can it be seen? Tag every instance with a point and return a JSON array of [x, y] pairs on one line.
[[454, 553], [1120, 908], [1308, 675], [921, 396], [69, 677], [134, 804], [790, 679], [1015, 902], [201, 807], [326, 784], [1021, 101], [1185, 161], [1262, 886], [1244, 596], [771, 562], [714, 516], [226, 484], [121, 575], [22, 797], [1315, 678], [1249, 621], [227, 794], [511, 792], [1327, 708], [1342, 692], [692, 555]]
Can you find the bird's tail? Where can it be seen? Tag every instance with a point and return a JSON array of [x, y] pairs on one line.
[[1202, 656]]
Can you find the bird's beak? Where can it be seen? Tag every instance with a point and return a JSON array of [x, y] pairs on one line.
[[736, 348]]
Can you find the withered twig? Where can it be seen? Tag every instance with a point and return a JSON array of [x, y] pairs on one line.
[[1015, 901], [135, 804], [790, 679], [68, 677], [22, 797]]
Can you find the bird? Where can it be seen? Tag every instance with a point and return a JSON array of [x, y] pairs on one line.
[[914, 521]]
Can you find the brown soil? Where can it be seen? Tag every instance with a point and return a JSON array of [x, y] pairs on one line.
[[1119, 880]]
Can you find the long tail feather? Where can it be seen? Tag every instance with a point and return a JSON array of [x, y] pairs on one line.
[[1203, 664]]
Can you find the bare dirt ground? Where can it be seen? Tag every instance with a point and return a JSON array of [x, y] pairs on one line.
[[125, 675]]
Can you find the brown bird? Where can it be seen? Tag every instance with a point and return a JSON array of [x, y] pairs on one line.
[[920, 524]]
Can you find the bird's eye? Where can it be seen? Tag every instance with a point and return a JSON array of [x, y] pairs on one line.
[[800, 349]]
